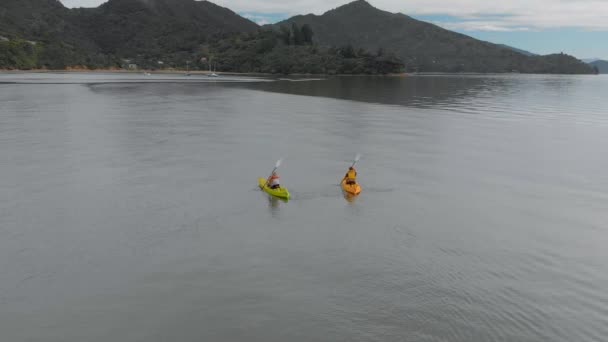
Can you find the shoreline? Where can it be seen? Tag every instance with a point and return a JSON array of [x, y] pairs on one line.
[[182, 72], [269, 75]]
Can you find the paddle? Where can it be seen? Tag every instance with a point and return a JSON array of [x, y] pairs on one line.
[[357, 158], [276, 166]]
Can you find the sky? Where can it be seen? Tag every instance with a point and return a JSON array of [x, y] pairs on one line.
[[576, 27]]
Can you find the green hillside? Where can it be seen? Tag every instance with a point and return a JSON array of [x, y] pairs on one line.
[[425, 47]]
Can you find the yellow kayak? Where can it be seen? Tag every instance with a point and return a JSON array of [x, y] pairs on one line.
[[280, 192], [353, 189]]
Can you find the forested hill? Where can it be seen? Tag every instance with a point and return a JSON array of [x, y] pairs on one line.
[[133, 27], [426, 47], [355, 38], [173, 30]]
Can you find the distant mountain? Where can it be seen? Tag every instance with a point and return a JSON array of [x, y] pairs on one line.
[[118, 29], [157, 27], [523, 52], [602, 66], [424, 46]]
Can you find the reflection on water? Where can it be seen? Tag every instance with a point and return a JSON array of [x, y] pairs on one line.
[[274, 204], [542, 96], [350, 198], [409, 90]]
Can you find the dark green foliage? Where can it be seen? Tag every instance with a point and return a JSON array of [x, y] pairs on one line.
[[347, 51], [307, 34], [49, 24], [296, 35], [285, 34], [244, 53], [266, 42], [18, 54]]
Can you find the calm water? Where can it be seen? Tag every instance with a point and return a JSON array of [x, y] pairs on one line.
[[129, 209]]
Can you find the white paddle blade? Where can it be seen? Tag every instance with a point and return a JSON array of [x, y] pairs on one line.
[[357, 157], [278, 163]]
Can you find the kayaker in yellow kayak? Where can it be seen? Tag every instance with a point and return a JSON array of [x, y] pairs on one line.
[[274, 181], [351, 176]]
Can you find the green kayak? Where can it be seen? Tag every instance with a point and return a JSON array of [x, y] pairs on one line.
[[280, 192]]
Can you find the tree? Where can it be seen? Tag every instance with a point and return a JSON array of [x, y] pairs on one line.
[[285, 34], [347, 51], [307, 34], [296, 33]]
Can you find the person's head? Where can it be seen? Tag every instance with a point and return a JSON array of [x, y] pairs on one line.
[[351, 168]]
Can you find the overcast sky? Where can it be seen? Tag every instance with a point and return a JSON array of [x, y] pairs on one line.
[[578, 27]]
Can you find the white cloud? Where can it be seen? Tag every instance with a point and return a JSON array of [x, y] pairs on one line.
[[82, 3], [258, 19], [508, 15], [480, 26]]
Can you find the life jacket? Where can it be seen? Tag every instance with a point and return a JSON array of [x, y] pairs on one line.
[[351, 175], [274, 180]]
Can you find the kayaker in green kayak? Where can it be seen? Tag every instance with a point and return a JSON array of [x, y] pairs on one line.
[[272, 184], [274, 181]]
